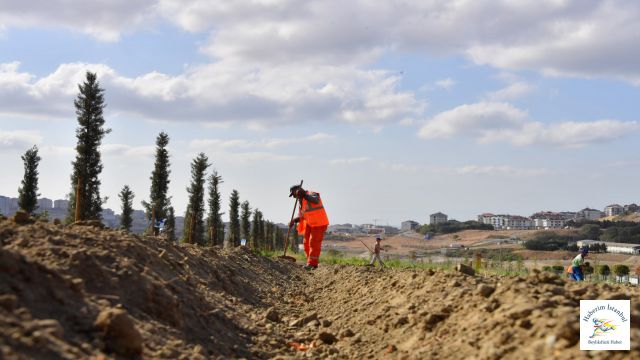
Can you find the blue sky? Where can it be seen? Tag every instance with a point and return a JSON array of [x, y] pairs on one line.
[[390, 112]]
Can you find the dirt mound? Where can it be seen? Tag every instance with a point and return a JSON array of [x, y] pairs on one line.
[[83, 292], [426, 314], [183, 300]]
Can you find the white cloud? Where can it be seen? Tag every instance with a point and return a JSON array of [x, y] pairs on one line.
[[556, 37], [212, 93], [400, 168], [18, 139], [252, 157], [476, 120], [104, 20], [350, 161], [446, 84], [225, 144], [502, 122], [511, 92], [122, 150], [502, 170]]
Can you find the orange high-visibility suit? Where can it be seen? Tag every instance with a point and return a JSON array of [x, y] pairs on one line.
[[313, 223]]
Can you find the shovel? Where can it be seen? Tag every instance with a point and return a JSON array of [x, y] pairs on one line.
[[286, 242]]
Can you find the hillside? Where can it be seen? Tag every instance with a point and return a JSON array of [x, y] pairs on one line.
[[635, 217], [86, 293]]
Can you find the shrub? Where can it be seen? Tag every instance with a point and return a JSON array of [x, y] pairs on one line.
[[621, 270], [604, 270]]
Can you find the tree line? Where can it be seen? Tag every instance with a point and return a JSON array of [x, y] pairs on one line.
[[85, 200]]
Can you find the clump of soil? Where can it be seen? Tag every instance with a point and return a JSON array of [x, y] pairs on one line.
[[84, 292]]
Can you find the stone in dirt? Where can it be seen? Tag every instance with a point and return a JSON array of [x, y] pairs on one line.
[[347, 333], [467, 270], [119, 332], [327, 337], [486, 290], [272, 315]]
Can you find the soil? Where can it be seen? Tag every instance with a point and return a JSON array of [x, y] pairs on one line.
[[88, 293]]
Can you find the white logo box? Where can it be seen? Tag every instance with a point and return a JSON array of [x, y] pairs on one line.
[[605, 324]]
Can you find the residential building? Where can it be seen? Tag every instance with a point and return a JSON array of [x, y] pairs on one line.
[[45, 204], [340, 229], [545, 220], [4, 205], [485, 218], [613, 247], [631, 208], [409, 225], [390, 230], [588, 214], [61, 204], [613, 210], [437, 218]]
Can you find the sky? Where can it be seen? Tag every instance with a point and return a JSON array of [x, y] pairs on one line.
[[391, 110]]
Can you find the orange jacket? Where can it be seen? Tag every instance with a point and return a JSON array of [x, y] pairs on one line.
[[312, 214]]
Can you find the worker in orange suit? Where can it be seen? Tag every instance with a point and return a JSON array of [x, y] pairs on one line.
[[312, 223]]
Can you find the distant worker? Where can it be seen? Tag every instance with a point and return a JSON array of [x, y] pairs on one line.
[[312, 223], [577, 265], [376, 253]]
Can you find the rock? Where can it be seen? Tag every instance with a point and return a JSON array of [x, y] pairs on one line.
[[467, 270], [403, 320], [89, 223], [304, 320], [51, 326], [57, 221], [520, 311], [119, 332], [326, 323], [346, 333], [313, 323], [272, 315], [22, 217], [433, 320], [391, 349], [486, 290], [8, 302], [327, 337]]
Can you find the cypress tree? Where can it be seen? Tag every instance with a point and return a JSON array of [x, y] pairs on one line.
[[193, 220], [170, 225], [126, 197], [158, 201], [234, 218], [245, 223], [255, 231], [215, 226], [88, 165], [28, 192]]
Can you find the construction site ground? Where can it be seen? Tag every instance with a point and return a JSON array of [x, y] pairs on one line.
[[85, 293], [403, 245]]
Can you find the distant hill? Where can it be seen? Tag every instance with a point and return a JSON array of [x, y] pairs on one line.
[[635, 217]]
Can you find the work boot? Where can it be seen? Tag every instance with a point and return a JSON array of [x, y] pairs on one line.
[[310, 267]]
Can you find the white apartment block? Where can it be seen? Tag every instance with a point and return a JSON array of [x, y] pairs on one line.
[[613, 209]]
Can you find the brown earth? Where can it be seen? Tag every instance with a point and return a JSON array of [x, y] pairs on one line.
[[86, 293]]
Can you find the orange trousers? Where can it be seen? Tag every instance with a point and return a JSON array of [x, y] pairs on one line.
[[313, 243]]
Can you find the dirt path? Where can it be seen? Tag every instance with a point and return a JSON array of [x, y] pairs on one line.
[[85, 293]]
